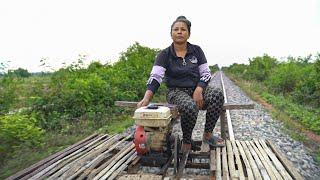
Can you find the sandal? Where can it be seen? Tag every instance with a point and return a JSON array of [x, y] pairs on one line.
[[214, 141]]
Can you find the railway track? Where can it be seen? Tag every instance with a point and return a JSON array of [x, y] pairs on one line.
[[103, 156]]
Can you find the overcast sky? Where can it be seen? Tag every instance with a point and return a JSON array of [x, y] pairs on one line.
[[228, 31]]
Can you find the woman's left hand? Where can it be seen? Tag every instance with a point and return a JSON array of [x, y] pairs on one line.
[[197, 97]]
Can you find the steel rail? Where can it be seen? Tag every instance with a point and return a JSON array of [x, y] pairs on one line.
[[229, 123]]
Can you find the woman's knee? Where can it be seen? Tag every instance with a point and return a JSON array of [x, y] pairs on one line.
[[189, 109], [214, 96]]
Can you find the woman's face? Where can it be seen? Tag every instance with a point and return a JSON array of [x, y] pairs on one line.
[[180, 33]]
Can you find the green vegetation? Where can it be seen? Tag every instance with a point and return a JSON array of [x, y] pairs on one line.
[[19, 73], [214, 68], [293, 86], [44, 113]]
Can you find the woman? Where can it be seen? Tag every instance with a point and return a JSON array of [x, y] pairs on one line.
[[187, 76]]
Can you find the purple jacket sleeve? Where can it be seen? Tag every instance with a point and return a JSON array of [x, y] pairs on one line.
[[205, 73], [157, 72]]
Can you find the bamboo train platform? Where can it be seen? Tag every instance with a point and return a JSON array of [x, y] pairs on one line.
[[255, 159], [114, 157], [103, 156]]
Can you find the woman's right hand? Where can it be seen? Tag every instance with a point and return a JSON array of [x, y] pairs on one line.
[[143, 102], [146, 99]]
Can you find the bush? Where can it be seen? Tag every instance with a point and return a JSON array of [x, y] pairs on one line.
[[308, 118], [294, 85], [8, 95], [214, 68], [17, 130], [76, 92], [20, 72], [308, 90], [260, 67], [285, 77]]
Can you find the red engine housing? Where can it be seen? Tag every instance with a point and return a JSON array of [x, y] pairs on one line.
[[140, 141]]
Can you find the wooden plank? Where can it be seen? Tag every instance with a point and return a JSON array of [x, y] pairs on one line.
[[120, 162], [226, 106], [232, 106], [230, 128], [113, 161], [253, 164], [238, 161], [134, 166], [229, 106], [266, 159], [213, 162], [286, 163], [260, 166], [275, 160], [218, 167], [205, 147], [95, 162], [140, 177], [122, 167], [71, 162], [245, 160], [233, 173], [199, 155], [223, 122], [91, 172], [70, 157], [37, 167], [225, 169], [80, 165]]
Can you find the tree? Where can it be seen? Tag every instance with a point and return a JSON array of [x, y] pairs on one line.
[[19, 72]]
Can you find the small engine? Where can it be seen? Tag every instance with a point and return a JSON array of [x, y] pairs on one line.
[[153, 129]]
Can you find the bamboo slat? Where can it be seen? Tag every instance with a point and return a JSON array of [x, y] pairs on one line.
[[260, 166], [115, 167], [238, 161], [264, 161], [252, 163], [286, 163], [213, 162], [122, 167], [69, 163], [275, 160], [89, 171], [52, 168], [233, 173], [95, 158], [218, 168], [80, 165], [225, 164], [39, 166], [103, 169], [247, 166], [267, 160]]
